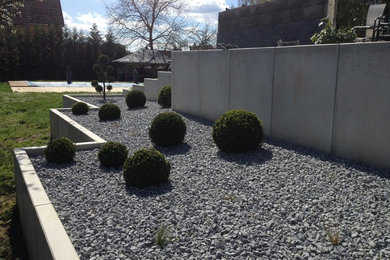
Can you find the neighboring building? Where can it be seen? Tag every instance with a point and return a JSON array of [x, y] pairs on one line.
[[265, 24], [41, 12]]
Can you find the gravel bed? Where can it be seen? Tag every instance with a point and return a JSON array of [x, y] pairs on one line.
[[278, 202]]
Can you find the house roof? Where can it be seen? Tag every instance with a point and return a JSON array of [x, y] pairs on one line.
[[147, 57], [41, 12]]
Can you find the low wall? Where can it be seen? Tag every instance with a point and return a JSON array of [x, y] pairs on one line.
[[334, 98], [152, 87], [44, 233]]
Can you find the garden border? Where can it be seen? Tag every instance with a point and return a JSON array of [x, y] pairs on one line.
[[43, 231]]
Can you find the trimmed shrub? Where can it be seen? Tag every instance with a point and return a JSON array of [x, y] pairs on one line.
[[238, 131], [146, 167], [164, 97], [109, 111], [94, 83], [80, 108], [112, 154], [135, 98], [60, 150], [167, 129]]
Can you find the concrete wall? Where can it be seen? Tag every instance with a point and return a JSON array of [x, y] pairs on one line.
[[63, 126], [303, 95], [152, 87], [44, 233], [264, 24], [334, 98]]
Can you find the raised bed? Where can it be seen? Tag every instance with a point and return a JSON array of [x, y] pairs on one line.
[[281, 201]]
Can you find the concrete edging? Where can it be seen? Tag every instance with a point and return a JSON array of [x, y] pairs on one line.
[[43, 231]]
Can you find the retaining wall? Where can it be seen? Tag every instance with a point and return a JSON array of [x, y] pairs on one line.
[[152, 87], [334, 98]]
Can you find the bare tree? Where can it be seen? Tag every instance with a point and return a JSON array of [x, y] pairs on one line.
[[9, 9], [146, 21], [203, 38]]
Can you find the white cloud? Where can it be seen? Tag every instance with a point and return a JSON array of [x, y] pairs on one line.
[[204, 11], [84, 21]]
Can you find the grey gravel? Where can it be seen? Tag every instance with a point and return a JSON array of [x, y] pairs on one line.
[[278, 202]]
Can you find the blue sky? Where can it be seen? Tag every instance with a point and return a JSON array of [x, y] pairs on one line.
[[83, 13]]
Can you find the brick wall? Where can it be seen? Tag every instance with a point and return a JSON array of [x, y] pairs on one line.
[[264, 24]]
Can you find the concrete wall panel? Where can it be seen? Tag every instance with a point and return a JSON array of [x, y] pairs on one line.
[[185, 93], [213, 83], [151, 89], [303, 95], [251, 82], [362, 122]]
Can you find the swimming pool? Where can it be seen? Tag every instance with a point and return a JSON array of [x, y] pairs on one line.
[[75, 84]]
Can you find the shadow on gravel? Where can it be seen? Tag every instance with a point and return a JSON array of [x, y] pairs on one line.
[[152, 191], [330, 158], [137, 108], [258, 156], [197, 119], [182, 148]]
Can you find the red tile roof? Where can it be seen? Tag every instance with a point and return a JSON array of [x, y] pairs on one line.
[[41, 12]]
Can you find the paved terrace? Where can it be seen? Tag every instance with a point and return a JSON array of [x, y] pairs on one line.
[[24, 86]]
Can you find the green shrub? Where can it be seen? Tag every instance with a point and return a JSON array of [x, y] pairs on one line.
[[94, 83], [167, 129], [238, 131], [109, 111], [332, 35], [112, 154], [60, 150], [164, 97], [135, 98], [146, 167], [80, 108]]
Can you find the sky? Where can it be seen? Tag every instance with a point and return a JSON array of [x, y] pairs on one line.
[[83, 13]]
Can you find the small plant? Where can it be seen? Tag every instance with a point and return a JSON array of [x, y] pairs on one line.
[[330, 34], [333, 236], [135, 98], [164, 97], [167, 129], [60, 150], [102, 69], [80, 108], [238, 131], [162, 236], [146, 167], [112, 154], [109, 111]]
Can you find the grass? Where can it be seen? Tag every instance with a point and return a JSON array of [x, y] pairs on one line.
[[24, 121], [162, 236]]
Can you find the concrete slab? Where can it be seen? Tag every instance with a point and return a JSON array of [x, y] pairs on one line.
[[251, 82], [185, 91], [151, 89], [303, 95], [214, 69], [362, 125]]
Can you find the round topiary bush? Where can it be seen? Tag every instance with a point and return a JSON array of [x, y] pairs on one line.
[[167, 129], [146, 167], [164, 97], [135, 98], [60, 150], [238, 131], [80, 108], [109, 111], [112, 154]]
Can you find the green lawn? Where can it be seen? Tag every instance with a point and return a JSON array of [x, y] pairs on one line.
[[24, 121]]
